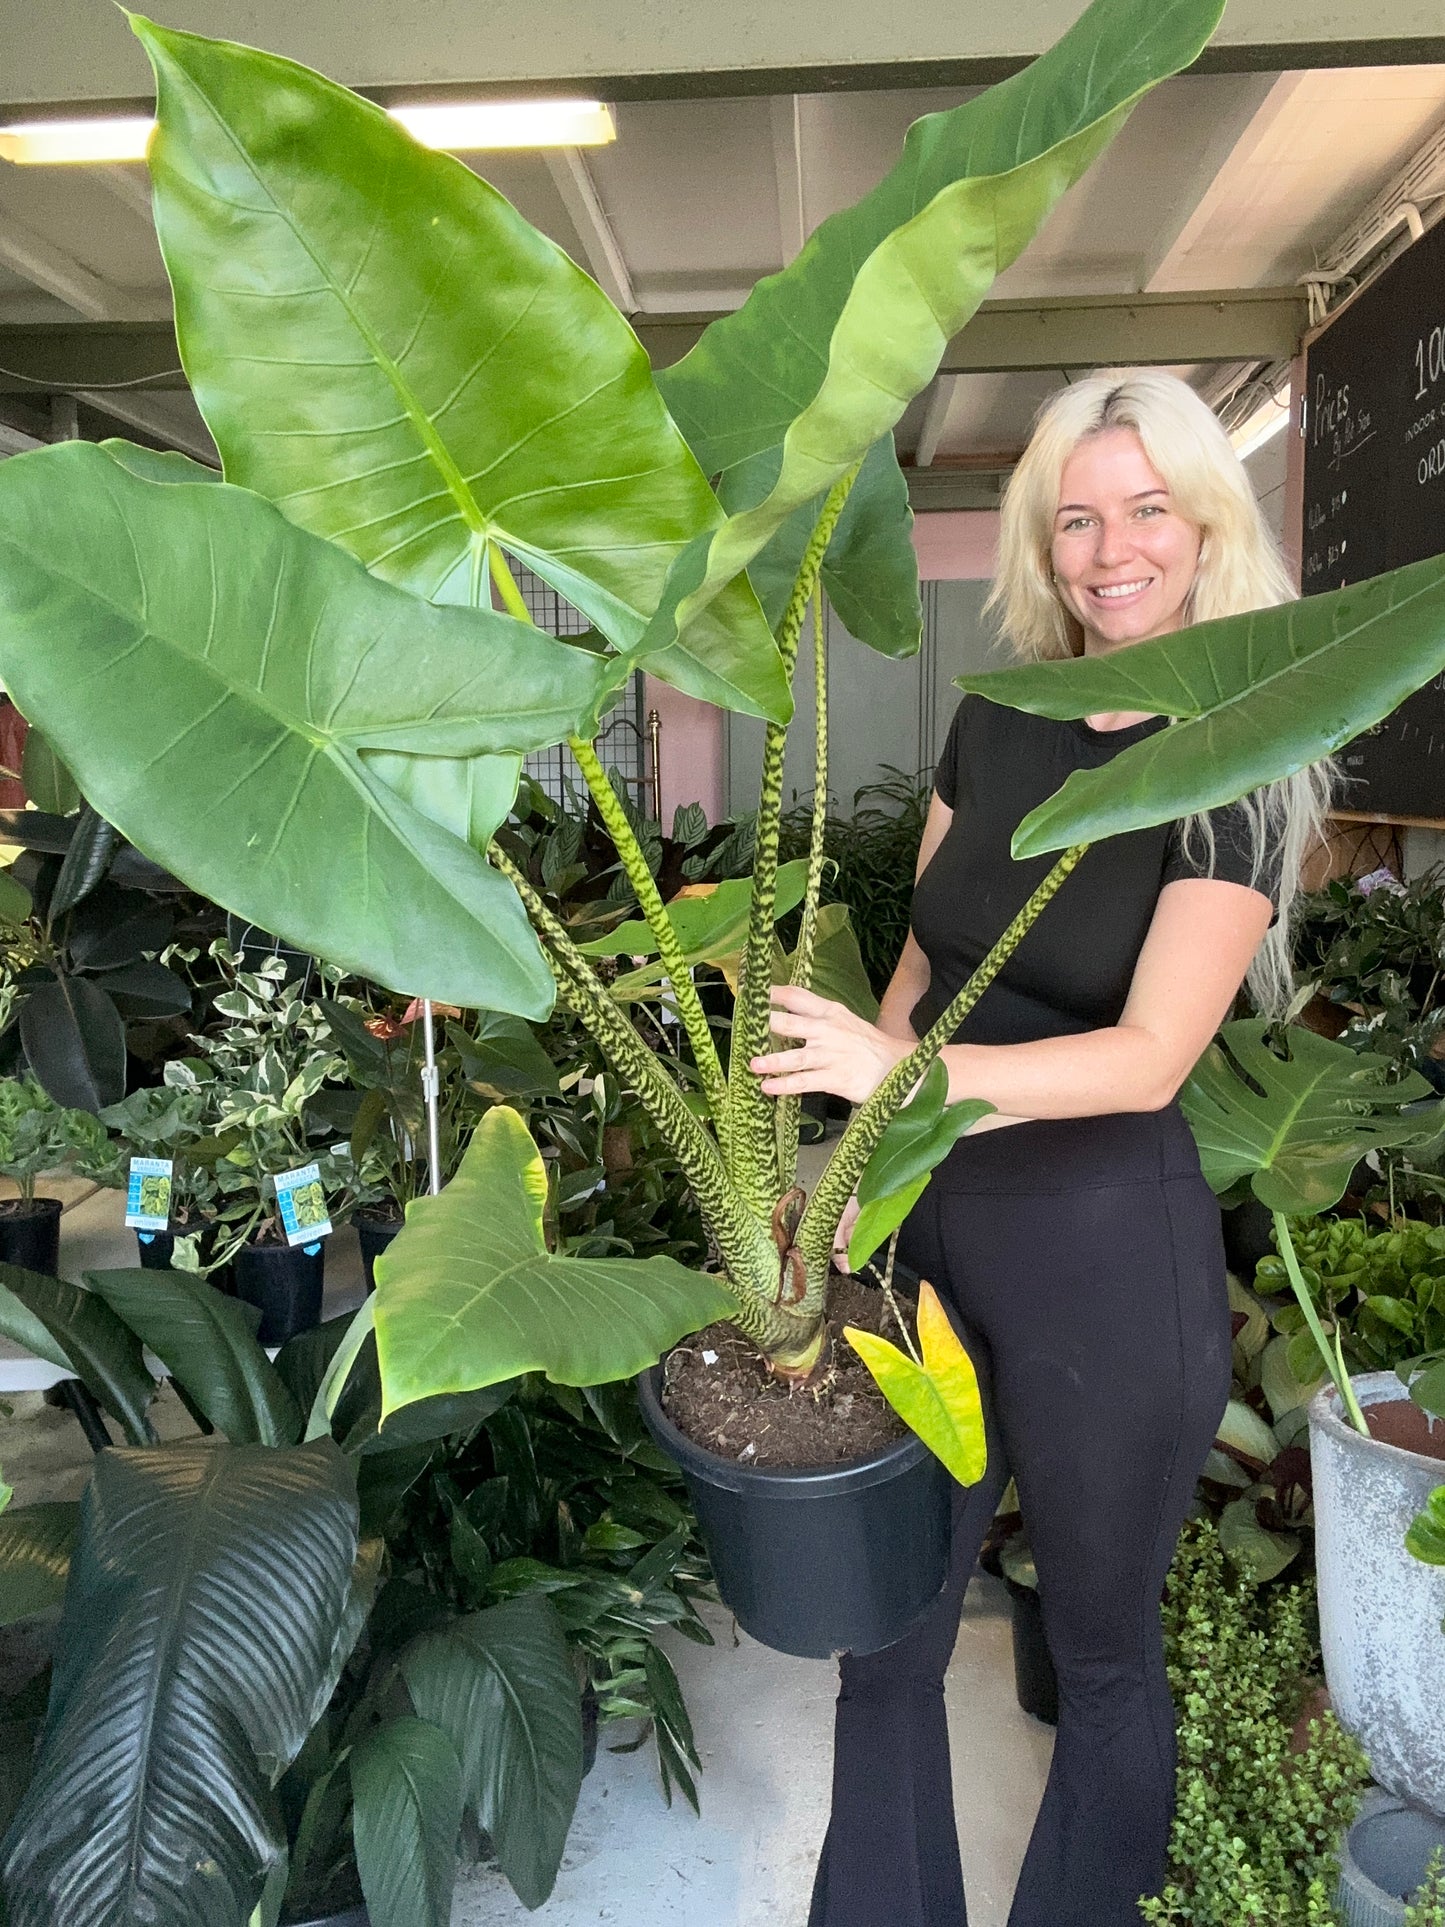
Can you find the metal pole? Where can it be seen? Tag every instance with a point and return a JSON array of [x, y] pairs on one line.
[[430, 1089], [654, 734]]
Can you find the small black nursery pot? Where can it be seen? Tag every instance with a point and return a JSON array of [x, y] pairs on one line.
[[30, 1234], [284, 1283], [374, 1233]]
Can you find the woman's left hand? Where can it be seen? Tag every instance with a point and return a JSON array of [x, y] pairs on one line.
[[841, 1054]]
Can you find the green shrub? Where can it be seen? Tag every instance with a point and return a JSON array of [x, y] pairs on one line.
[[1258, 1825]]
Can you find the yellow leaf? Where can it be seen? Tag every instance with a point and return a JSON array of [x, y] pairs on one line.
[[939, 1399]]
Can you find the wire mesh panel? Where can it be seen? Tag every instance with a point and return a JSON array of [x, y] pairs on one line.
[[622, 741]]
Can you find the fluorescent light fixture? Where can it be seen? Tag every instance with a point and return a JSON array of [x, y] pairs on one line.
[[1260, 428], [458, 126]]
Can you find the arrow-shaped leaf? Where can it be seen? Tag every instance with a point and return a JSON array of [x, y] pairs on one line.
[[939, 1398], [711, 919], [919, 1137]]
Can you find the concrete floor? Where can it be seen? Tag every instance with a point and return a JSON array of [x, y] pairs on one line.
[[763, 1723]]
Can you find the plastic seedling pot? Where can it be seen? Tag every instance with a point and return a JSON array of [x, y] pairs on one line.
[[30, 1235], [373, 1234], [284, 1283], [815, 1560]]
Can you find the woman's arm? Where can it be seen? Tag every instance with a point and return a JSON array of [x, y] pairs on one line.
[[911, 974], [1200, 941]]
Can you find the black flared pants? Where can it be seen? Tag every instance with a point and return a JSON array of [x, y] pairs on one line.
[[1081, 1261]]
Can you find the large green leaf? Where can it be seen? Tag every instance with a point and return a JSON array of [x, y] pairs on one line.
[[1297, 1124], [711, 920], [937, 1395], [822, 359], [200, 1621], [208, 1346], [468, 1294], [35, 1546], [502, 1686], [72, 1328], [1258, 697], [919, 1137], [406, 1783], [222, 683], [380, 343]]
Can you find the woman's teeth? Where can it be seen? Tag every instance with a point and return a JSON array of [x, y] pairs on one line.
[[1119, 590]]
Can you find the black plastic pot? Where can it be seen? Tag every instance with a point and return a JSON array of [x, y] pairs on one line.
[[815, 1560], [30, 1235], [1035, 1682], [157, 1248], [373, 1234], [284, 1283], [1247, 1239], [349, 1917]]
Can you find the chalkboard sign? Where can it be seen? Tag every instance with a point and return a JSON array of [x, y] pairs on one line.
[[1374, 494]]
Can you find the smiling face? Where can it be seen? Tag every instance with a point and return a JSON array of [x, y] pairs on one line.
[[1123, 558]]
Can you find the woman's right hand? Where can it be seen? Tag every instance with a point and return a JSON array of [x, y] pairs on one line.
[[844, 1232]]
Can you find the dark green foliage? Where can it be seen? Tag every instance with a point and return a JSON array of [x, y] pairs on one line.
[[1260, 1815], [1384, 1289]]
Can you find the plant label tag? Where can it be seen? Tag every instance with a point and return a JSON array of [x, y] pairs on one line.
[[302, 1204], [148, 1194]]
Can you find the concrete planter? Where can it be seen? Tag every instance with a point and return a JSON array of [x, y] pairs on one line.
[[1384, 1860], [1380, 1608]]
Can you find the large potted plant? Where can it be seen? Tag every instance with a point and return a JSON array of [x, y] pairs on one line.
[[409, 386]]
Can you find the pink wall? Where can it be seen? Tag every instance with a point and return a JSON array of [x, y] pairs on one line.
[[952, 545]]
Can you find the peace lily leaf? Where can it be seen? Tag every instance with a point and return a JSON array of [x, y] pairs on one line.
[[201, 1612], [822, 360], [711, 920], [1296, 1125], [870, 571], [1257, 696], [35, 1543], [383, 346], [288, 672], [939, 1399], [406, 1781], [918, 1138], [209, 1348], [467, 1294], [1426, 1536], [71, 1328], [501, 1685]]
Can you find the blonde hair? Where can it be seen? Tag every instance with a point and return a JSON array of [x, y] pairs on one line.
[[1239, 569]]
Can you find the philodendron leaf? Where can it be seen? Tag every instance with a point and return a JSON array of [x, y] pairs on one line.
[[239, 697], [1256, 696], [1297, 1124], [383, 346], [939, 1399], [918, 1138], [822, 360], [79, 1332], [406, 1784], [501, 1685], [468, 1294], [209, 1348], [1426, 1536], [711, 919], [201, 1616], [35, 1547]]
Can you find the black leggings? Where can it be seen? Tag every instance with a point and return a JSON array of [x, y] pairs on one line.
[[1081, 1260]]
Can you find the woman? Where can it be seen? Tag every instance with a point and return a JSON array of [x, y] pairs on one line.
[[1070, 1233]]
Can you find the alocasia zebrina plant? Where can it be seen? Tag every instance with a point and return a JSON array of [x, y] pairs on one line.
[[293, 688]]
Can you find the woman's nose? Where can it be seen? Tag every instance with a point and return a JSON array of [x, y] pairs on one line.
[[1112, 545]]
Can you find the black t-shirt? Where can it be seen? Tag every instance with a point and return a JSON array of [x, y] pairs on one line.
[[1073, 969]]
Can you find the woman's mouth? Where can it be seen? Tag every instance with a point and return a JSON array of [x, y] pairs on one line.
[[1119, 591]]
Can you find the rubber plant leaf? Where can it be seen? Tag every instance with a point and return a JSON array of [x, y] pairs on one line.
[[502, 1686], [821, 361], [406, 1784], [383, 346], [468, 1295], [937, 1399], [86, 860], [295, 684], [1256, 696], [73, 1038], [870, 572], [35, 1545], [1296, 1114], [77, 1331], [896, 1176], [205, 1594], [209, 1348], [1426, 1536]]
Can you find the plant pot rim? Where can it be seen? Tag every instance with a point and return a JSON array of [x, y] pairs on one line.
[[348, 1917], [1371, 1388], [783, 1481], [41, 1207]]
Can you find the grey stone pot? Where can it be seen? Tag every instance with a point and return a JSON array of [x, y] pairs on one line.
[[1380, 1608], [1384, 1860]]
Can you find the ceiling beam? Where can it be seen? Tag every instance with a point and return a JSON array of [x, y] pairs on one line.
[[788, 168], [1084, 331], [935, 415], [54, 272], [573, 180], [1216, 176]]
